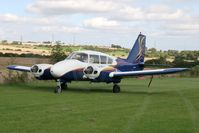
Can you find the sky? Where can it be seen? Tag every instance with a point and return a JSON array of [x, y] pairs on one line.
[[168, 24]]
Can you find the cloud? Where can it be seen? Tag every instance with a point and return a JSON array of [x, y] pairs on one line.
[[12, 18], [112, 9], [58, 7], [100, 23], [152, 13], [185, 27], [9, 18], [59, 29], [96, 17]]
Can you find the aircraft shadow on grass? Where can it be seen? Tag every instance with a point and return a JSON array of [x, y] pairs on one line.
[[96, 89]]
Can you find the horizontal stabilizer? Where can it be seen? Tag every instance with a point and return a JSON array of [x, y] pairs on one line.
[[147, 72], [19, 68]]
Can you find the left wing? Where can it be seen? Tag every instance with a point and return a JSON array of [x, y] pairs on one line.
[[147, 72], [19, 68]]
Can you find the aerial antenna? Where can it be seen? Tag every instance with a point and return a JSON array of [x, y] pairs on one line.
[[80, 48], [52, 39], [21, 39], [74, 39], [155, 44]]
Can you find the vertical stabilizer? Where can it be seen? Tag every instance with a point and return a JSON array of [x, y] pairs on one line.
[[136, 55]]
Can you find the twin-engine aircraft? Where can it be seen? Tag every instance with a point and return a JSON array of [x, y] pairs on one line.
[[96, 67]]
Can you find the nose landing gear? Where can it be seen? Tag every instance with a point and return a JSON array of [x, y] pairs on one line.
[[60, 86]]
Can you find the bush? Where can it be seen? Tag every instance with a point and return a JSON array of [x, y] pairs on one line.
[[16, 77], [57, 54], [194, 71]]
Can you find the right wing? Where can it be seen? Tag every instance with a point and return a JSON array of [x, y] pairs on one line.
[[147, 72], [19, 68]]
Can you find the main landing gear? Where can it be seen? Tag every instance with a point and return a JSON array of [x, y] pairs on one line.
[[60, 86], [116, 88]]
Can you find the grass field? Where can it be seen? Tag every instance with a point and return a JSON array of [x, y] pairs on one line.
[[169, 106]]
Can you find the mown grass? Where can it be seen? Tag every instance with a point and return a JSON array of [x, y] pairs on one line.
[[170, 106]]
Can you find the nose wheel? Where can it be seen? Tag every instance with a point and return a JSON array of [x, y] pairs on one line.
[[60, 86], [58, 90], [116, 88]]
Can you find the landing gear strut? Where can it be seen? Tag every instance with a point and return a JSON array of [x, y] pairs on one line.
[[64, 86], [60, 86], [116, 88]]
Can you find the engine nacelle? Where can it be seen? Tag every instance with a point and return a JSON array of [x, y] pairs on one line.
[[91, 72], [39, 69]]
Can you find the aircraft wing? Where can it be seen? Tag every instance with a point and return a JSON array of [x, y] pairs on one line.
[[19, 68], [147, 72]]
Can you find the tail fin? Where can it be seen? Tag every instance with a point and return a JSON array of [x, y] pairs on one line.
[[136, 55]]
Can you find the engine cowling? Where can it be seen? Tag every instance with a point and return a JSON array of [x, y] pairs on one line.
[[39, 69], [91, 72]]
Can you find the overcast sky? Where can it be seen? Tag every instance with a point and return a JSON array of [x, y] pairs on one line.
[[168, 24]]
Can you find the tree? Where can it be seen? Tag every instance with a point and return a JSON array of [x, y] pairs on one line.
[[4, 42], [115, 46], [57, 53], [152, 50], [162, 60], [15, 43]]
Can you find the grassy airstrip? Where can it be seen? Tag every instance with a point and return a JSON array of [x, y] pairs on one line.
[[170, 106]]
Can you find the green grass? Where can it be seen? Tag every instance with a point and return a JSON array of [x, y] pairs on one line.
[[169, 106]]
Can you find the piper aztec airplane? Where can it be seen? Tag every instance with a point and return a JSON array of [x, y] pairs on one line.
[[96, 67]]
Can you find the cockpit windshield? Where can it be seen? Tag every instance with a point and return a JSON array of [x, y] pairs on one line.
[[79, 56]]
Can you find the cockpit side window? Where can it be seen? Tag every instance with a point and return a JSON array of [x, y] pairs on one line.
[[94, 59], [103, 59], [110, 61], [80, 56]]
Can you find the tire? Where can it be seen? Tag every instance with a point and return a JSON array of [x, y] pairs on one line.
[[58, 90], [116, 89]]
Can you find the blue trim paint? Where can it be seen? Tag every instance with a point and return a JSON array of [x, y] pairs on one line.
[[46, 75]]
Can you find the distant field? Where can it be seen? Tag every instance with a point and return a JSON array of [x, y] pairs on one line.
[[23, 49], [4, 61], [169, 106], [46, 50]]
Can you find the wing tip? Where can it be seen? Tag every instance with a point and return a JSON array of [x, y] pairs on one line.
[[18, 68]]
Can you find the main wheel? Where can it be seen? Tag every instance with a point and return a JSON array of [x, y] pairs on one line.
[[116, 89], [58, 90]]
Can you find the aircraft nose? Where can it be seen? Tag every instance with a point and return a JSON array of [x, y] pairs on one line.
[[56, 71]]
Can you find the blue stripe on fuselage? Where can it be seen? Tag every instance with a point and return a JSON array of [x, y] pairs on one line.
[[122, 65]]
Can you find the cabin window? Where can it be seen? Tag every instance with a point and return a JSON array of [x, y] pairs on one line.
[[103, 59], [94, 59], [110, 61], [81, 57]]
